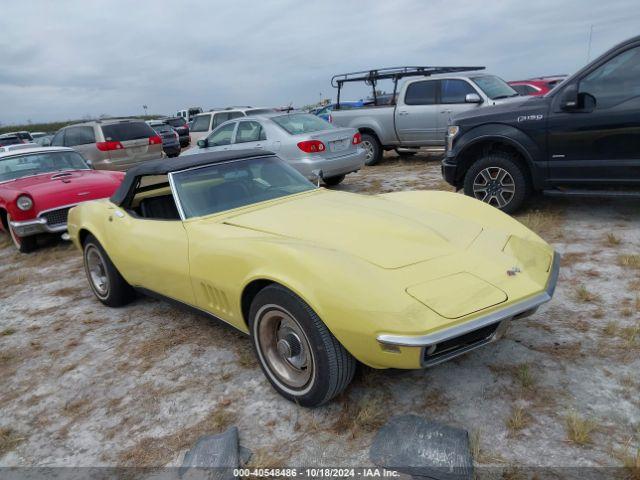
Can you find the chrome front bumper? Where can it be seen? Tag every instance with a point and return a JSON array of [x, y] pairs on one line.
[[34, 227], [498, 319]]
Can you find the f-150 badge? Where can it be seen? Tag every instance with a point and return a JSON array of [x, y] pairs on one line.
[[524, 118]]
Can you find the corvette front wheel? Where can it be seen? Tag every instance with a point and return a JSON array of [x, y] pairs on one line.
[[298, 354]]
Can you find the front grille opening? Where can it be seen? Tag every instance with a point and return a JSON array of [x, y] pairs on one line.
[[452, 345], [56, 217]]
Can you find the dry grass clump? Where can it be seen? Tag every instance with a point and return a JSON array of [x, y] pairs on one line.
[[579, 429], [479, 453], [265, 458], [7, 331], [518, 420], [9, 439], [630, 459], [612, 240], [610, 328], [631, 335], [629, 261], [246, 356], [366, 415], [156, 452], [543, 222], [571, 258], [585, 296], [524, 376]]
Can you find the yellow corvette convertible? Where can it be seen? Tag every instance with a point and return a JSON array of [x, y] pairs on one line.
[[319, 279]]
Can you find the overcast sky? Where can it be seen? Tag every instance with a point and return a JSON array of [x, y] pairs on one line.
[[67, 60]]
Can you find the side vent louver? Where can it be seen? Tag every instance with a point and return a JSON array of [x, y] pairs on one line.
[[217, 300]]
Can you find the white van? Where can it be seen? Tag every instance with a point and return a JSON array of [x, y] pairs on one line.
[[189, 113]]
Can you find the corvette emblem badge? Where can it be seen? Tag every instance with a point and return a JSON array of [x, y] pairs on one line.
[[513, 271]]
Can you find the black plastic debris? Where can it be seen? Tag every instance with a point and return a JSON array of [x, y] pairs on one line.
[[217, 455], [423, 449]]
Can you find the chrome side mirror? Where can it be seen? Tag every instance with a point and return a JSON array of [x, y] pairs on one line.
[[472, 98]]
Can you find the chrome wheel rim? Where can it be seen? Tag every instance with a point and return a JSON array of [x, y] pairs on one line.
[[369, 150], [97, 271], [284, 349], [495, 186]]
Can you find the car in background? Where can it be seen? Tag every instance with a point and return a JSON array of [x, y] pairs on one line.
[[581, 139], [309, 144], [170, 138], [18, 146], [43, 141], [325, 112], [39, 185], [425, 103], [319, 279], [181, 127], [111, 144], [536, 86], [36, 135], [204, 123], [9, 139], [188, 113], [23, 136]]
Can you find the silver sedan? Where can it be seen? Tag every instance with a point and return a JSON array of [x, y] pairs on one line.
[[309, 144]]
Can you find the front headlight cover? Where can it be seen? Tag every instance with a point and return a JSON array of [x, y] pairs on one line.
[[452, 131], [24, 202]]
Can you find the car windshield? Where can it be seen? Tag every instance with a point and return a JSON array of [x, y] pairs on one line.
[[176, 122], [18, 166], [9, 140], [162, 128], [494, 87], [124, 131], [298, 123], [219, 187]]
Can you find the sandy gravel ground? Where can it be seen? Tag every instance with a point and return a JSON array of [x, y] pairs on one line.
[[84, 385]]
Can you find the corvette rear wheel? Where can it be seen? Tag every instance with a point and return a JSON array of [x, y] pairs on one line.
[[104, 279], [23, 244], [303, 361]]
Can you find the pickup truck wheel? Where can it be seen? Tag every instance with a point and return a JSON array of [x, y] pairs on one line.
[[23, 244], [499, 181], [105, 280], [297, 353], [331, 181], [373, 149]]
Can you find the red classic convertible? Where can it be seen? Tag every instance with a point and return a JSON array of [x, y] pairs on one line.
[[39, 185]]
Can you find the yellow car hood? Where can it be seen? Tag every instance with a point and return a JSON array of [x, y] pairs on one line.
[[383, 232]]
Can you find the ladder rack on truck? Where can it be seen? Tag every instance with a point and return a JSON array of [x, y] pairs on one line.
[[371, 77]]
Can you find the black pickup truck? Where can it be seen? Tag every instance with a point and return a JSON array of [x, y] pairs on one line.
[[581, 138]]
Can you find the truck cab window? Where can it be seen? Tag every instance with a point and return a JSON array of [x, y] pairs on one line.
[[421, 93], [616, 81], [454, 91]]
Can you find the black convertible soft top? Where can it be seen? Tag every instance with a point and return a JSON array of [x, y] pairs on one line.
[[162, 166]]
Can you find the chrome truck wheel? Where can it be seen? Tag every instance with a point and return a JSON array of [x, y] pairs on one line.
[[495, 186]]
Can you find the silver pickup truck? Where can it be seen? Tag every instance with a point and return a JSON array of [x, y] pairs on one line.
[[422, 109]]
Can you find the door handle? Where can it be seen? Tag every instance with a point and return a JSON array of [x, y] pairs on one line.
[[445, 111], [403, 112]]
